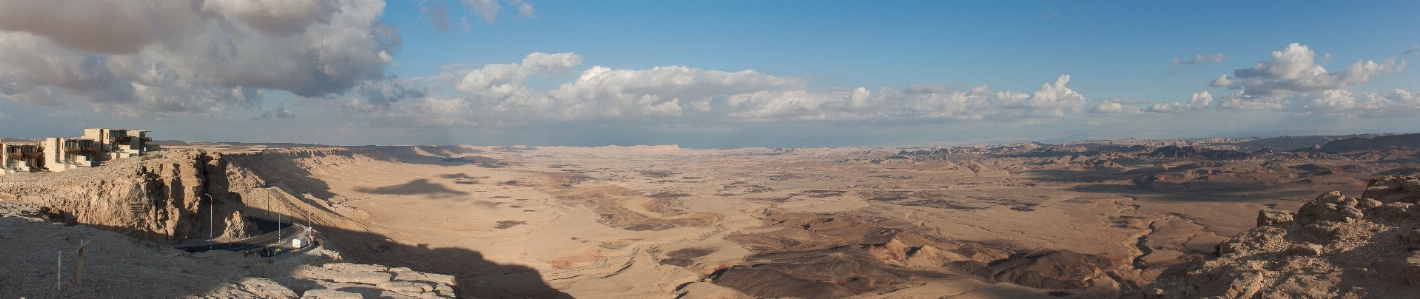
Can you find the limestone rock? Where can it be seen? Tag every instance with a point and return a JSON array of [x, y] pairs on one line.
[[1335, 246], [265, 288], [330, 294], [1270, 217]]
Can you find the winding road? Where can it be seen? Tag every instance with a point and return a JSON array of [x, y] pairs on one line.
[[276, 234]]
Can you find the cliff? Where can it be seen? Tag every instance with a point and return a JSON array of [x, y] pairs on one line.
[[1335, 246], [164, 196], [42, 260]]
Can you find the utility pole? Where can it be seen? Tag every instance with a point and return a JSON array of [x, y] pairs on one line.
[[211, 215], [278, 225], [211, 211]]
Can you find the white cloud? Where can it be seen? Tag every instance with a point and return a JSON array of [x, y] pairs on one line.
[[514, 73], [161, 58], [1294, 70], [1336, 102], [1199, 101], [1293, 82], [1109, 107], [980, 103], [1202, 59], [602, 92], [1117, 105], [671, 108], [495, 94]]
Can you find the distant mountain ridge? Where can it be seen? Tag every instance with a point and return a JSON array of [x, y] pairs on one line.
[[1363, 143]]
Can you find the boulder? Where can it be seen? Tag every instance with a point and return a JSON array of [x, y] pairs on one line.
[[1270, 217]]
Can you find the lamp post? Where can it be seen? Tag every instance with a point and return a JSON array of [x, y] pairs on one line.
[[211, 215], [211, 212]]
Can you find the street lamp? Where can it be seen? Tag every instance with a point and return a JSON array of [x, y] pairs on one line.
[[211, 212]]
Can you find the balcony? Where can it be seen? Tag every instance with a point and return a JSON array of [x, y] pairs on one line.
[[81, 149], [32, 155]]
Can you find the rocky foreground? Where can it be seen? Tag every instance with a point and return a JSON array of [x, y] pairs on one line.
[[41, 260], [1335, 246]]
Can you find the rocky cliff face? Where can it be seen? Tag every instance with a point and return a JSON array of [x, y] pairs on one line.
[[1335, 246], [165, 196], [114, 266]]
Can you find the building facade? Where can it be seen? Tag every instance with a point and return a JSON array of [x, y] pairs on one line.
[[20, 157], [59, 154]]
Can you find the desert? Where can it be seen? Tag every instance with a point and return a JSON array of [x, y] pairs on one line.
[[709, 149], [1090, 219]]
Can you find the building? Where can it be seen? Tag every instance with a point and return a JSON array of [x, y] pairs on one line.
[[118, 143], [59, 154], [20, 157], [66, 153]]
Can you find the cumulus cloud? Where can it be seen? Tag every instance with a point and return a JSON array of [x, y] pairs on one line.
[[1199, 101], [1202, 59], [1336, 102], [1362, 104], [1117, 105], [495, 94], [143, 58], [1294, 70], [1293, 82], [602, 92], [978, 104]]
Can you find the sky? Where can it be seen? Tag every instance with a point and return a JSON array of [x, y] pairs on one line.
[[707, 74]]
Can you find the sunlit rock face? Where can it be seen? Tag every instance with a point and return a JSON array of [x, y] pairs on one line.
[[1334, 246]]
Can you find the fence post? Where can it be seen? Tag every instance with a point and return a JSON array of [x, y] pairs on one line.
[[79, 273]]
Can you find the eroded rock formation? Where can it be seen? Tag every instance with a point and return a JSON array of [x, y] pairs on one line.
[[1335, 246], [167, 196]]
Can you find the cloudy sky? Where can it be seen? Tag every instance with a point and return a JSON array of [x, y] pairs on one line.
[[706, 73]]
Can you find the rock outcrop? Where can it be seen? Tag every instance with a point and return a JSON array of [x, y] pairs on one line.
[[116, 266], [163, 196], [1335, 246]]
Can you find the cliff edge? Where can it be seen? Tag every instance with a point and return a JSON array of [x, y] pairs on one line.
[[1335, 246]]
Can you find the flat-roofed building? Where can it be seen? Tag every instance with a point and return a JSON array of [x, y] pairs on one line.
[[65, 153], [20, 157], [59, 154]]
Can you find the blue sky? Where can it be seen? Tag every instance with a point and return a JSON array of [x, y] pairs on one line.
[[710, 73]]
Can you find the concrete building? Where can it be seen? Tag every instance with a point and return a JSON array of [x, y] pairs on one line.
[[66, 153], [59, 154], [20, 157], [118, 143]]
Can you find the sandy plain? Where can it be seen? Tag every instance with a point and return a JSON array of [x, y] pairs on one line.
[[661, 221]]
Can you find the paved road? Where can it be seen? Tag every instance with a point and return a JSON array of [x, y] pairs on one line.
[[287, 231]]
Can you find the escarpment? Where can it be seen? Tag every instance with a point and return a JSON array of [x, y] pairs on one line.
[[1335, 246], [163, 196]]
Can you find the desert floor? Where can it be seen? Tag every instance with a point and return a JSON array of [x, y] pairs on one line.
[[616, 222]]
